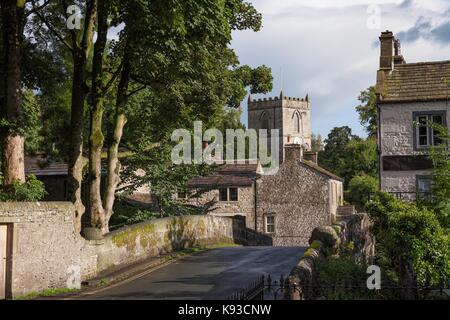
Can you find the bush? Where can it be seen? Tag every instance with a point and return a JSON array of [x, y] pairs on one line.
[[340, 278], [32, 190], [360, 187], [410, 237]]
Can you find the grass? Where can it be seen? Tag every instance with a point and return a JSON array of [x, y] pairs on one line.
[[47, 293]]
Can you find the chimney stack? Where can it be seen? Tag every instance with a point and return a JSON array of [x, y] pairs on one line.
[[293, 152], [387, 51]]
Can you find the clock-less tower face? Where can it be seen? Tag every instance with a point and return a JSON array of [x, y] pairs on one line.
[[291, 116]]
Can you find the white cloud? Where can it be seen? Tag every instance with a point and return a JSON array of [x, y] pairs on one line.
[[325, 49]]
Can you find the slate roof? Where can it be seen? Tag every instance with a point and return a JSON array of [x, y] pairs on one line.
[[39, 167], [417, 82], [228, 175], [321, 170]]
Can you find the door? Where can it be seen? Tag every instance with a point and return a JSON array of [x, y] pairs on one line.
[[3, 253]]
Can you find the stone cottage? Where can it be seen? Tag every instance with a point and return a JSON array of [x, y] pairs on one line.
[[409, 95], [286, 206], [230, 191], [298, 198]]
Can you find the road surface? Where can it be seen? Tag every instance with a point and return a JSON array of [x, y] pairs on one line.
[[209, 275]]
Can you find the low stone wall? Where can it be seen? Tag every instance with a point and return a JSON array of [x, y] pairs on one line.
[[156, 237], [326, 241], [47, 252]]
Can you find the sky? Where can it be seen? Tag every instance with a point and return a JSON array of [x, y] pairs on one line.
[[329, 49]]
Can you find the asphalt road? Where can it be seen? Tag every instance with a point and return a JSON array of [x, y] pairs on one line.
[[209, 275]]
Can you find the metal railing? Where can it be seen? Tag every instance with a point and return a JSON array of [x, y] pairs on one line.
[[264, 288]]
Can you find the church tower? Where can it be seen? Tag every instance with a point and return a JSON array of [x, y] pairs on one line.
[[291, 116]]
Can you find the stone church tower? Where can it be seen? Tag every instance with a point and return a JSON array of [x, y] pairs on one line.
[[291, 116]]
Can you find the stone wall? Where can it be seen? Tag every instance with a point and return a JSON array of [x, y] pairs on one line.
[[156, 237], [244, 207], [44, 246], [397, 138], [47, 251], [280, 113], [299, 198], [326, 241]]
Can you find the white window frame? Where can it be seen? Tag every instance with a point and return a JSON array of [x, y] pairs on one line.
[[267, 224]]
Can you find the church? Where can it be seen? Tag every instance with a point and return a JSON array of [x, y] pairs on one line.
[[286, 205]]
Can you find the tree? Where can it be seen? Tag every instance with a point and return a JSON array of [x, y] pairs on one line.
[[360, 187], [367, 111], [13, 141], [316, 143], [412, 247], [348, 155], [334, 155]]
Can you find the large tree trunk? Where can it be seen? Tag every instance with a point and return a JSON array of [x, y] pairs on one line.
[[79, 92], [113, 178], [96, 138], [13, 142]]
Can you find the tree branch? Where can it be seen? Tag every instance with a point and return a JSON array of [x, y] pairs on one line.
[[136, 91], [113, 78], [52, 30]]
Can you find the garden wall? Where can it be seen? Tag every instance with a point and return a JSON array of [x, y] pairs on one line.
[[46, 251]]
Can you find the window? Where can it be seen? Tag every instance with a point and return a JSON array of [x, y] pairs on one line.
[[223, 194], [426, 136], [182, 195], [424, 184], [233, 194], [228, 194], [296, 122], [270, 224], [264, 121]]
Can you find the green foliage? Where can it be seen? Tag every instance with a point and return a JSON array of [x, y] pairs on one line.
[[316, 143], [348, 155], [360, 187], [441, 176], [340, 278], [165, 178], [127, 214], [32, 190], [367, 111], [409, 235]]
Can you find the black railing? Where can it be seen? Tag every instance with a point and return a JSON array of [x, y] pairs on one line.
[[264, 288]]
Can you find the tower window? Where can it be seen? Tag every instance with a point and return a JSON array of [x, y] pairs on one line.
[[297, 122]]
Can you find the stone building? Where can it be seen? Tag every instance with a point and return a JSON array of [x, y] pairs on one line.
[[291, 116], [298, 198], [286, 206], [408, 94], [229, 192]]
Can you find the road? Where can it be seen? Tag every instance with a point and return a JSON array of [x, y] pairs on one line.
[[209, 275]]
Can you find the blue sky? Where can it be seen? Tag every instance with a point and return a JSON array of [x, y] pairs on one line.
[[325, 48]]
